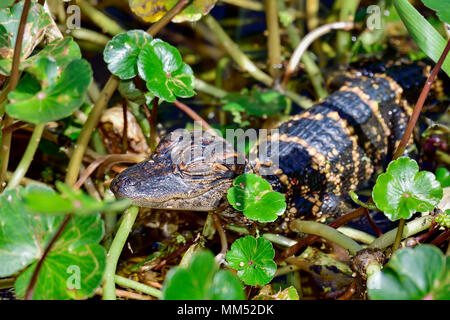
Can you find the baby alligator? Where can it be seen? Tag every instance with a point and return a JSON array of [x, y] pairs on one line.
[[324, 152]]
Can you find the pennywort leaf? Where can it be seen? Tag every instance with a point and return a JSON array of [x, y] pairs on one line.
[[443, 176], [403, 190], [55, 97], [164, 71], [73, 268], [254, 196], [202, 280], [121, 53], [253, 259], [416, 273]]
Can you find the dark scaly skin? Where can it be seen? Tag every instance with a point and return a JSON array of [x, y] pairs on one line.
[[324, 152]]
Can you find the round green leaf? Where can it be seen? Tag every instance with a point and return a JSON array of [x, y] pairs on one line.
[[412, 274], [403, 190], [74, 267], [122, 51], [34, 103], [252, 195], [443, 176], [167, 76], [202, 280], [253, 259]]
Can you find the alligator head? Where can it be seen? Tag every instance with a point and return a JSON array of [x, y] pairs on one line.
[[189, 170]]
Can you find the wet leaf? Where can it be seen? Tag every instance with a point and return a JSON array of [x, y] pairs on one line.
[[412, 274], [167, 76], [403, 190], [74, 267], [37, 23], [56, 97], [121, 53], [202, 280], [253, 260], [153, 10], [254, 196]]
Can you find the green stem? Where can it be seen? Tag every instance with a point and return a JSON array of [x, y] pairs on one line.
[[7, 283], [107, 24], [398, 235], [280, 240], [128, 283], [25, 181], [357, 235], [311, 67], [89, 35], [204, 87], [83, 139], [235, 52], [237, 229], [347, 13], [246, 4], [326, 232], [109, 288], [302, 101], [27, 157], [13, 81], [411, 228], [273, 39]]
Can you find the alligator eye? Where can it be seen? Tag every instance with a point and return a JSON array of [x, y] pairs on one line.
[[199, 169]]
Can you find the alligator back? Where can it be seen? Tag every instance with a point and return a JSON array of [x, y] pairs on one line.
[[335, 146]]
